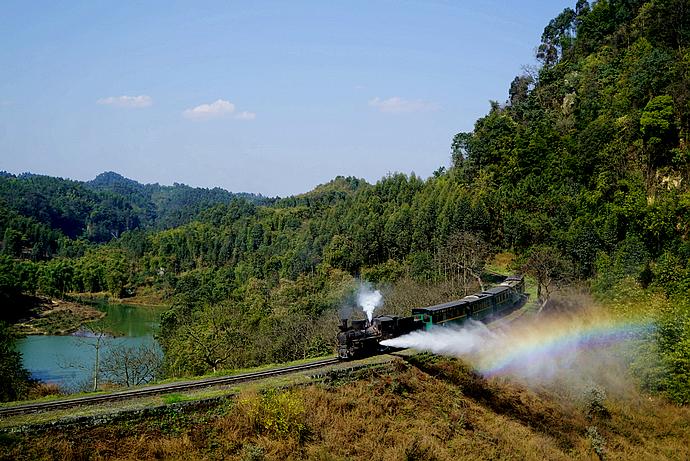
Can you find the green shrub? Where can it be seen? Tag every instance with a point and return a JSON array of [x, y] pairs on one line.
[[172, 398], [275, 413]]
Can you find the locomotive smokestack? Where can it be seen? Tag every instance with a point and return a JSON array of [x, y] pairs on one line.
[[343, 324], [359, 324]]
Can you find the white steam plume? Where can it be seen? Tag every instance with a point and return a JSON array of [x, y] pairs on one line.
[[492, 351], [368, 299], [447, 340], [569, 349]]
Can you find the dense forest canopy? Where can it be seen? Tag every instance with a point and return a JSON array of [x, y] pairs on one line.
[[38, 210], [587, 161]]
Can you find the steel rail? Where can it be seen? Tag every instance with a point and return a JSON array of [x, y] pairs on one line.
[[160, 389], [186, 385]]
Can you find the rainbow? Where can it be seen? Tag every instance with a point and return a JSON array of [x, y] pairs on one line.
[[526, 351]]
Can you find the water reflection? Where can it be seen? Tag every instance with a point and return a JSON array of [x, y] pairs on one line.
[[69, 360]]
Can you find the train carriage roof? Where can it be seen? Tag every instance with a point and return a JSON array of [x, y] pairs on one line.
[[459, 302], [496, 290], [513, 280], [476, 296], [439, 307], [505, 286]]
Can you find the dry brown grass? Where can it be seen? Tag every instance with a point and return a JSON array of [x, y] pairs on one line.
[[40, 390], [429, 409]]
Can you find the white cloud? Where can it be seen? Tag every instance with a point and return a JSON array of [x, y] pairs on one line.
[[245, 115], [219, 108], [398, 105], [127, 101]]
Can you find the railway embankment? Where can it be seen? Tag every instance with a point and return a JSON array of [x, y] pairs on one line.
[[419, 407], [107, 408], [104, 407]]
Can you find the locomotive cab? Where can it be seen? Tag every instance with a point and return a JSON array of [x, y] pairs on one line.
[[362, 338]]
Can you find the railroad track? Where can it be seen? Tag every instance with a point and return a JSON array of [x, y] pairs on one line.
[[160, 389], [183, 386]]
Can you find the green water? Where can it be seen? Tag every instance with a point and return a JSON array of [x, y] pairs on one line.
[[69, 360]]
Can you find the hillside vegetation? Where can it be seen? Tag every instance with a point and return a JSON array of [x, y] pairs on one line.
[[582, 173], [427, 409]]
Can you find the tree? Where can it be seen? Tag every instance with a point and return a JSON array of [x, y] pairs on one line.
[[550, 268], [519, 89], [341, 252], [207, 341], [557, 38], [56, 277], [14, 378], [116, 273], [9, 283], [96, 337], [656, 125], [126, 365], [12, 243], [464, 256], [460, 148]]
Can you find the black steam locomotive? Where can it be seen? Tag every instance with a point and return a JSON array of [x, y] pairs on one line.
[[361, 338]]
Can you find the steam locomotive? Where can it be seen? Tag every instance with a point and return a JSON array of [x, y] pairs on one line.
[[362, 338]]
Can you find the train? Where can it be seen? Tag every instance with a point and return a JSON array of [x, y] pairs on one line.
[[361, 338]]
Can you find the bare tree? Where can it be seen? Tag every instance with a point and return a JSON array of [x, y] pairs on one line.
[[97, 338], [408, 293], [132, 365], [551, 270], [463, 258]]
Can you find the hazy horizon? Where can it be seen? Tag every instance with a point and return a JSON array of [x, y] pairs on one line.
[[268, 98]]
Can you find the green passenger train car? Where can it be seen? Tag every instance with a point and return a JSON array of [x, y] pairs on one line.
[[479, 306]]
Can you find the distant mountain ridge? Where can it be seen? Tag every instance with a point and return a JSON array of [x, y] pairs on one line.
[[104, 207], [113, 179]]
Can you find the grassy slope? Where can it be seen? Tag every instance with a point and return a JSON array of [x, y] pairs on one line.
[[425, 409]]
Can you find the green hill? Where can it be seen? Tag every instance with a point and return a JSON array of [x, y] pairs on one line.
[[586, 165]]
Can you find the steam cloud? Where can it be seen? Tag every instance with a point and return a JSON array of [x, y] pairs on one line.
[[564, 349], [470, 339], [368, 299]]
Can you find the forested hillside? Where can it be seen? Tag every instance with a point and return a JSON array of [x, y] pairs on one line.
[[38, 210], [586, 164]]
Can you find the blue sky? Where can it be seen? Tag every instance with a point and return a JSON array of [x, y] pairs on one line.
[[266, 97]]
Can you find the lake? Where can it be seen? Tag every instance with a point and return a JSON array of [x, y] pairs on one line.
[[69, 360]]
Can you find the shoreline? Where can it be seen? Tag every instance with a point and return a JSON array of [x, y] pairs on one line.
[[56, 317], [105, 298], [60, 317]]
